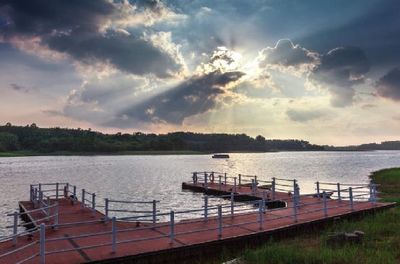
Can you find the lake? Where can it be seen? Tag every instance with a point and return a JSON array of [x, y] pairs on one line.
[[159, 177]]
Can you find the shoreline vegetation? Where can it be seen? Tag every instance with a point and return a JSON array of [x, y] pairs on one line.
[[381, 242], [32, 140], [121, 153]]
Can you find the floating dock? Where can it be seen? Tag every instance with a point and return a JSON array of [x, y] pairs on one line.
[[61, 227]]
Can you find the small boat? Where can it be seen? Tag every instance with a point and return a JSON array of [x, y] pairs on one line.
[[220, 156]]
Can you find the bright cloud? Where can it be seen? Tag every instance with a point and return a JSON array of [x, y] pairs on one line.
[[213, 66]]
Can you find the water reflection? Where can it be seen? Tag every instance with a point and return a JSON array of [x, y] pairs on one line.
[[160, 177]]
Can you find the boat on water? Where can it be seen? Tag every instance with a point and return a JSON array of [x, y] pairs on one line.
[[220, 156]]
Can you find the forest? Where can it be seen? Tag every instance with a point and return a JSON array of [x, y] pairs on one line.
[[52, 140]]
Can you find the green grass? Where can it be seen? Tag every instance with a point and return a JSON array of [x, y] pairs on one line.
[[381, 243], [16, 154], [389, 184]]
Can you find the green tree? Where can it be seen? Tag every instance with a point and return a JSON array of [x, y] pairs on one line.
[[8, 142]]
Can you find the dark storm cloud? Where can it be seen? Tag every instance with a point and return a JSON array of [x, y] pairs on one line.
[[194, 96], [375, 28], [75, 27], [389, 85], [340, 69], [287, 54]]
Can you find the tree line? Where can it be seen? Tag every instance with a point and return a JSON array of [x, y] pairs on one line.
[[48, 140]]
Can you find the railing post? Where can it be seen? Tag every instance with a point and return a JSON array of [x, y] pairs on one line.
[[36, 197], [205, 208], [240, 180], [294, 186], [42, 244], [219, 221], [294, 209], [106, 209], [255, 180], [15, 229], [74, 198], [351, 198], [172, 227], [113, 235], [318, 193], [225, 178], [57, 191], [83, 198], [234, 184], [260, 214], [56, 216], [297, 193], [154, 211], [66, 192], [40, 187], [205, 180], [31, 193], [273, 188], [48, 208], [338, 192], [212, 177], [94, 204], [220, 182], [40, 199], [254, 186], [232, 204], [374, 192], [264, 196], [325, 204]]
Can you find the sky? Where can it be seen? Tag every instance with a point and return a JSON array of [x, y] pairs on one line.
[[323, 71]]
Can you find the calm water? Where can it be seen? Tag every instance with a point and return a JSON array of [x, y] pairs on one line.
[[160, 177]]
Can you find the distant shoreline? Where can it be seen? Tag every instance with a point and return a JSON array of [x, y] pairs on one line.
[[149, 153], [121, 153]]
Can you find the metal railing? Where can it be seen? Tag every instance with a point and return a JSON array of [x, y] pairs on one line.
[[218, 216], [358, 192], [242, 180], [140, 212]]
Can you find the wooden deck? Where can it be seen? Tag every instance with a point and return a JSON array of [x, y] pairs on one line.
[[245, 193], [153, 244]]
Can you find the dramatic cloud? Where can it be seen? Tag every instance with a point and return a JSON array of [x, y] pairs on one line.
[[389, 85], [163, 65], [286, 54], [222, 59], [339, 70], [86, 30], [194, 96]]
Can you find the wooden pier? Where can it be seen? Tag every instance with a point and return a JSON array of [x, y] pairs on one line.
[[63, 229]]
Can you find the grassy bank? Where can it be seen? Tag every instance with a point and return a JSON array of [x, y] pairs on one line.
[[69, 153], [17, 154], [381, 242]]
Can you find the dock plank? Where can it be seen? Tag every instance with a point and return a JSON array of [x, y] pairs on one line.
[[157, 237]]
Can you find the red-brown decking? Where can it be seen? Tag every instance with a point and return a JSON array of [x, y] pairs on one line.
[[245, 190], [278, 219]]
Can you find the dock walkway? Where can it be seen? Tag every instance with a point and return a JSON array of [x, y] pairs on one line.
[[65, 230]]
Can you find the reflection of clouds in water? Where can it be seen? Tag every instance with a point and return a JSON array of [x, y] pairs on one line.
[[161, 177]]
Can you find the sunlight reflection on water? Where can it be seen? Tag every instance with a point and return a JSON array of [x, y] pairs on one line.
[[160, 177]]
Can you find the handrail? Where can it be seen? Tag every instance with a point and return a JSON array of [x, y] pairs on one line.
[[137, 202], [213, 212]]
